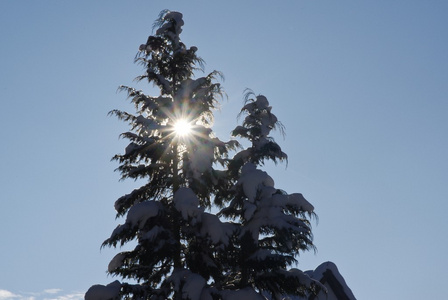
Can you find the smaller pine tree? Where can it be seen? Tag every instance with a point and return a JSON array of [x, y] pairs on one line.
[[274, 226]]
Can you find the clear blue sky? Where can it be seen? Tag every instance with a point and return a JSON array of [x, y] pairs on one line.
[[361, 87]]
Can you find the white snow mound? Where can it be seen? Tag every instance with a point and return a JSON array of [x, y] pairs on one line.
[[101, 292], [252, 180], [141, 212], [187, 203]]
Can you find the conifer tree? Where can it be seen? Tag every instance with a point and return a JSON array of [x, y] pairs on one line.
[[182, 250], [273, 226], [176, 239]]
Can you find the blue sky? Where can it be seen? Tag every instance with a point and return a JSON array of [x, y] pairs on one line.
[[361, 87]]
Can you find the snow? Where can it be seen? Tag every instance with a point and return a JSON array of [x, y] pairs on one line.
[[267, 191], [147, 123], [330, 266], [193, 284], [259, 116], [249, 108], [141, 212], [215, 229], [116, 262], [131, 148], [188, 87], [300, 201], [175, 23], [300, 275], [262, 102], [264, 208], [176, 16], [101, 292], [201, 160], [207, 294], [249, 209], [270, 214], [260, 143], [274, 216], [243, 155], [164, 82], [187, 203], [295, 199], [252, 180], [153, 233], [118, 231]]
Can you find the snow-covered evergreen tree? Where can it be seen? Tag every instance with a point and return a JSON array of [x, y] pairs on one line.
[[274, 226], [182, 250], [176, 239]]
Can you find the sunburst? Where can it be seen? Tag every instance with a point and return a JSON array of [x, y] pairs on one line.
[[182, 128]]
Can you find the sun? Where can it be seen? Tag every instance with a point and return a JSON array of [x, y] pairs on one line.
[[182, 128]]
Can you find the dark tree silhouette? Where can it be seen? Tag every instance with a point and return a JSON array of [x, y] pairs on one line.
[[183, 251]]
